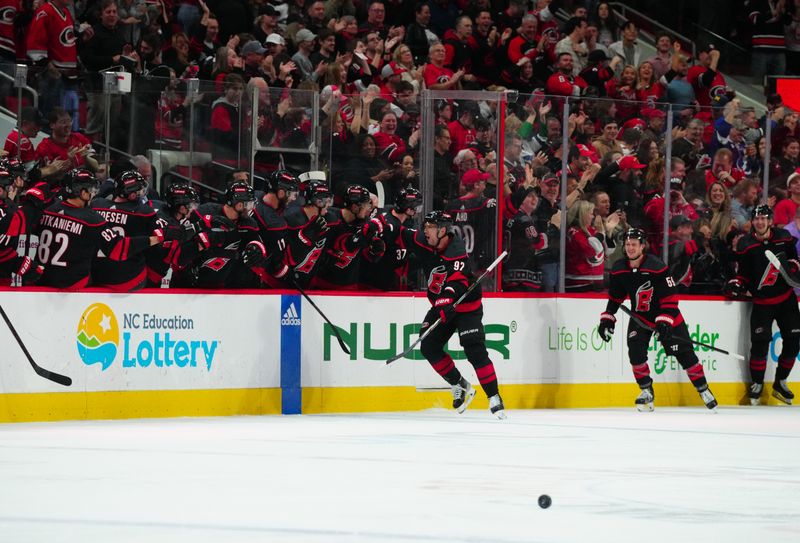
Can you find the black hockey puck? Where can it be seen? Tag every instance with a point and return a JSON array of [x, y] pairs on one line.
[[544, 501]]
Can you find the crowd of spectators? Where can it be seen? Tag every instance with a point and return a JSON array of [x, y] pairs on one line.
[[369, 61]]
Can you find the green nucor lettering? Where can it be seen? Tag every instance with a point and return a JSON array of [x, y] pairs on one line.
[[379, 354], [499, 345], [408, 331], [350, 339]]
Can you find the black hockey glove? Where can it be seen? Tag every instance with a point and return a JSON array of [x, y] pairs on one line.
[[446, 308], [734, 289], [606, 327], [170, 233], [372, 229], [254, 255], [376, 248], [314, 230], [664, 331]]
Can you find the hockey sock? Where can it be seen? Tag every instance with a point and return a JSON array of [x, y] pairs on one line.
[[447, 369], [784, 368], [487, 378], [697, 376], [758, 366], [641, 372]]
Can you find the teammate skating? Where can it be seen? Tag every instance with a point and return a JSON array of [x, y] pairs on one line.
[[773, 300], [645, 280]]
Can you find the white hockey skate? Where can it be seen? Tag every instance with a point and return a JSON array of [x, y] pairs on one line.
[[754, 393], [708, 399], [463, 394], [782, 392], [496, 407], [645, 400]]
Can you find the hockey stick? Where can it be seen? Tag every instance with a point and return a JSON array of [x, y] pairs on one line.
[[309, 300], [47, 374], [436, 323], [646, 326], [775, 261]]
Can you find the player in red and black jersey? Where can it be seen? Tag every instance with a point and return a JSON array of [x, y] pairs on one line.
[[226, 233], [71, 233], [181, 200], [443, 258], [307, 232], [351, 238], [128, 216], [390, 272], [646, 281], [773, 300], [282, 188]]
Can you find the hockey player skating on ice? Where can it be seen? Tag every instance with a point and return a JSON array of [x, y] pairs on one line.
[[444, 260], [645, 280], [773, 300]]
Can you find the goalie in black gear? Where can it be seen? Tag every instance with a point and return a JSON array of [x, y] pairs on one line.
[[773, 300], [445, 262], [645, 280]]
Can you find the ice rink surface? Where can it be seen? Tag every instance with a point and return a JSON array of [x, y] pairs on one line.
[[679, 474]]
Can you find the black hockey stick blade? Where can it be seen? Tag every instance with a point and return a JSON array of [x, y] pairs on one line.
[[775, 261], [47, 374], [333, 327], [436, 323], [646, 326]]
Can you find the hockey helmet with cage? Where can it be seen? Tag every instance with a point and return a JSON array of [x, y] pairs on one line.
[[77, 180], [181, 194], [282, 179], [634, 233], [356, 195], [317, 193], [408, 198], [761, 210], [239, 191], [442, 219], [129, 182]]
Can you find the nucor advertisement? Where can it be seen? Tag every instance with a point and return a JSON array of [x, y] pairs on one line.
[[141, 342], [535, 340]]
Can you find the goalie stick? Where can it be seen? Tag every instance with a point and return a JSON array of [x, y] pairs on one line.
[[438, 321], [775, 261], [646, 326], [47, 374]]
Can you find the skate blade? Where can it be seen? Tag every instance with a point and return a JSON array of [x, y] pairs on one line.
[[780, 397], [500, 414], [755, 401], [645, 407], [467, 401]]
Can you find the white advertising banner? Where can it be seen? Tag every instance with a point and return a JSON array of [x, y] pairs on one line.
[[530, 340], [124, 342]]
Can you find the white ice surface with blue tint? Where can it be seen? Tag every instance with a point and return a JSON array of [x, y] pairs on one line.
[[679, 474]]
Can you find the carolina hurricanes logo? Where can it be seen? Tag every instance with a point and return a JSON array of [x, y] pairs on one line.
[[770, 277], [67, 36], [716, 90], [552, 34], [347, 113], [7, 15], [436, 279], [644, 296], [599, 252], [444, 78]]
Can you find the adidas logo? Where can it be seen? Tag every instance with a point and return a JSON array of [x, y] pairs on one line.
[[290, 318]]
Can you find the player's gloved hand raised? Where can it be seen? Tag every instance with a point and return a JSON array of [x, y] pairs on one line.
[[35, 196], [170, 233], [664, 331], [734, 289], [314, 230], [254, 255], [446, 308], [606, 327], [371, 229]]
